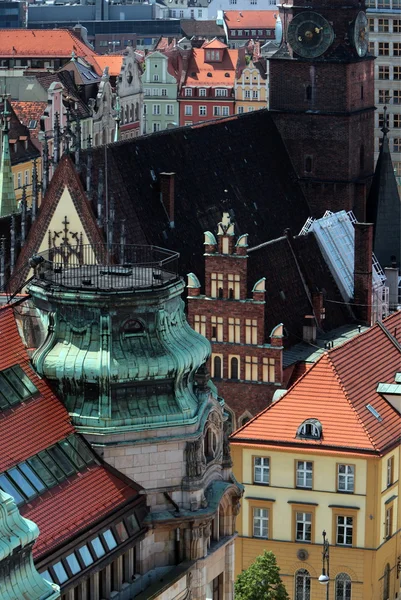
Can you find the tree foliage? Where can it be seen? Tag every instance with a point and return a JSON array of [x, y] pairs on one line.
[[261, 580]]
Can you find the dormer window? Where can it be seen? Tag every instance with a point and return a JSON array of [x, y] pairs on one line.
[[311, 429], [188, 91], [213, 55]]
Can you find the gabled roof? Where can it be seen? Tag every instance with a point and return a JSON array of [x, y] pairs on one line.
[[247, 19], [204, 29], [336, 390], [29, 427], [41, 43], [65, 176], [384, 208], [28, 112], [18, 134], [201, 72], [79, 108], [113, 61], [214, 44]]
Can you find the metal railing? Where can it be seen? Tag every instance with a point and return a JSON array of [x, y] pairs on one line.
[[113, 267]]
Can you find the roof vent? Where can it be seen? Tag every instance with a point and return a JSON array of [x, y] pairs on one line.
[[209, 74], [226, 74]]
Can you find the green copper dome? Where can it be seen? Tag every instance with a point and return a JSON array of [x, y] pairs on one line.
[[117, 345]]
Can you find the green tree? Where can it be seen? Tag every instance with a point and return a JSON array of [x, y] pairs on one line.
[[261, 580]]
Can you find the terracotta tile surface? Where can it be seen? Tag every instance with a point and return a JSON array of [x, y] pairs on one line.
[[37, 423], [336, 391], [247, 19], [114, 62], [75, 504], [29, 111], [41, 43], [198, 69]]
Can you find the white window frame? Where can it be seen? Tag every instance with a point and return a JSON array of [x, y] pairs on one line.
[[261, 470], [170, 110], [188, 110], [202, 92], [304, 519], [156, 109], [343, 529], [261, 523], [225, 111], [202, 111], [221, 93], [304, 475], [188, 92], [156, 77], [345, 478]]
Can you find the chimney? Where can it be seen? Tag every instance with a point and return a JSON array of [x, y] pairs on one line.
[[167, 195], [309, 329], [363, 271]]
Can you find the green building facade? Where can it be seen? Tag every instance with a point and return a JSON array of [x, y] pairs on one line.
[[160, 94]]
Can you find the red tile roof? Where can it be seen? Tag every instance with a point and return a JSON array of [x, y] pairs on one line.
[[250, 19], [31, 426], [114, 62], [214, 44], [29, 111], [78, 502], [41, 43], [336, 390], [198, 69]]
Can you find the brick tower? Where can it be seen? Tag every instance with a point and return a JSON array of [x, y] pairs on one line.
[[322, 97]]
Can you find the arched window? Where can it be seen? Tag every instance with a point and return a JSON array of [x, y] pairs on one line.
[[302, 585], [234, 368], [308, 92], [137, 111], [343, 587], [386, 582], [230, 419], [311, 428], [308, 164], [244, 419], [217, 367], [210, 444], [126, 113]]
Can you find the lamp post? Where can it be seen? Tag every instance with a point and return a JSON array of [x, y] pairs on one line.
[[324, 578]]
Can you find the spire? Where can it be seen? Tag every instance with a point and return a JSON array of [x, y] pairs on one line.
[[8, 201], [384, 206], [18, 575]]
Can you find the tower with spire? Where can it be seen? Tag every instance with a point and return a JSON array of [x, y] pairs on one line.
[[8, 201]]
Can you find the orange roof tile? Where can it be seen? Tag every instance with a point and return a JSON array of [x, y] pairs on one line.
[[41, 43], [251, 19], [336, 390], [198, 69], [113, 61], [29, 111], [214, 44], [78, 502], [31, 426]]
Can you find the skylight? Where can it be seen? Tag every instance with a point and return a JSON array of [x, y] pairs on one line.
[[32, 124], [15, 387], [374, 412], [46, 469]]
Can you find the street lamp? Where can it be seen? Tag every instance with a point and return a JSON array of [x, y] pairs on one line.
[[324, 578]]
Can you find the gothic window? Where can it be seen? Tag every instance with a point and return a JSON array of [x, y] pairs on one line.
[[302, 585], [230, 418], [217, 367], [362, 157], [243, 420], [386, 582], [343, 587], [234, 368], [308, 164], [308, 92]]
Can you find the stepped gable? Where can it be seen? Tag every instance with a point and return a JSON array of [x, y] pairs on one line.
[[238, 165], [295, 268], [336, 390], [28, 427]]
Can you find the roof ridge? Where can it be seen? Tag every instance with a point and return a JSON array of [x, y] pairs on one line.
[[344, 390]]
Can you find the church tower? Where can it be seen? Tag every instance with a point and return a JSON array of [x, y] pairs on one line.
[[322, 100]]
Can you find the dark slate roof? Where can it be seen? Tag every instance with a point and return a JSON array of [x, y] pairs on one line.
[[295, 268], [65, 78], [206, 29], [384, 209], [238, 164]]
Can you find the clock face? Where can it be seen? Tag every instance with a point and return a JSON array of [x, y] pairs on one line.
[[309, 34], [129, 74], [361, 34]]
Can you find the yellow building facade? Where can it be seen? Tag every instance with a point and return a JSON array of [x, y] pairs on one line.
[[298, 484], [23, 175], [250, 87]]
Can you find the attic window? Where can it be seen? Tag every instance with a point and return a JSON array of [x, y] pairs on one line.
[[374, 412], [311, 429], [32, 124]]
